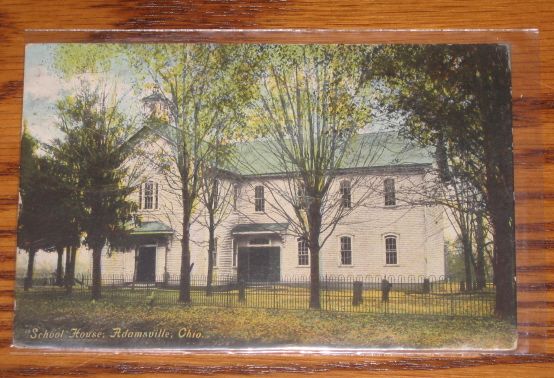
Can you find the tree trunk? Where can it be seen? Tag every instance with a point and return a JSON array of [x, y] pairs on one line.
[[70, 256], [30, 267], [72, 266], [504, 269], [68, 281], [496, 111], [96, 272], [467, 251], [501, 205], [135, 265], [184, 287], [59, 267], [314, 214], [504, 259], [211, 247], [480, 244]]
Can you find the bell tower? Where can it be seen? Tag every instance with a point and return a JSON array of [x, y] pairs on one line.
[[155, 104]]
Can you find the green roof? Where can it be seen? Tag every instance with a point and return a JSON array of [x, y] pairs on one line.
[[369, 150], [152, 228], [382, 149], [260, 228]]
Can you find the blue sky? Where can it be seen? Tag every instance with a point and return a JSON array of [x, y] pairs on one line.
[[41, 90], [43, 87]]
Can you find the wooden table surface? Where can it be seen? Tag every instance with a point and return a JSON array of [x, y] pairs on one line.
[[535, 357]]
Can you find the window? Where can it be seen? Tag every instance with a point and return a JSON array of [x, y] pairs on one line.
[[390, 195], [390, 250], [345, 193], [259, 202], [148, 195], [259, 241], [235, 252], [346, 250], [214, 253], [303, 253]]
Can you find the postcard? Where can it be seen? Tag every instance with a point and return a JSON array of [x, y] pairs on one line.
[[247, 195]]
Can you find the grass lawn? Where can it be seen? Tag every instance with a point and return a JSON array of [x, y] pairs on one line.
[[439, 302], [46, 321]]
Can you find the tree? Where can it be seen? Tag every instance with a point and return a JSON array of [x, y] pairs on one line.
[[29, 230], [60, 209], [49, 211], [217, 189], [462, 202], [458, 98], [94, 131], [203, 88], [311, 108]]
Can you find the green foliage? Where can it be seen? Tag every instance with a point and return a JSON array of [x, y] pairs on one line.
[[48, 213], [311, 96], [457, 98], [452, 97], [77, 58], [454, 261], [312, 103], [203, 89], [29, 230], [92, 162]]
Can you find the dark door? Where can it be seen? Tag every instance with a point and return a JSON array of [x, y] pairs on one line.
[[259, 264], [146, 264]]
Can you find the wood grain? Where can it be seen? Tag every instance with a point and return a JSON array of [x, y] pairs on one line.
[[534, 149]]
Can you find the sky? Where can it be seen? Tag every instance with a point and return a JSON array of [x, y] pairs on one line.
[[41, 90], [43, 87]]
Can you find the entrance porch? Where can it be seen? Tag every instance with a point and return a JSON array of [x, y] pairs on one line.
[[259, 248], [151, 241]]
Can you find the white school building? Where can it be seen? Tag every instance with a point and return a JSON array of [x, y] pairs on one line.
[[388, 231]]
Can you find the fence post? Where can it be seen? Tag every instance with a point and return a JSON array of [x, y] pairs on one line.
[[385, 289], [451, 299], [357, 290], [426, 286], [462, 286], [242, 291]]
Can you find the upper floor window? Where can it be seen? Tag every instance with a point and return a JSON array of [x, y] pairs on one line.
[[391, 253], [148, 195], [346, 250], [345, 193], [259, 200], [303, 252], [390, 192]]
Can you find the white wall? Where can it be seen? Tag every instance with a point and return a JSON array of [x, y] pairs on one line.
[[419, 229]]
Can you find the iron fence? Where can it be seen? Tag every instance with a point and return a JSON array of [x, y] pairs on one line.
[[368, 294]]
